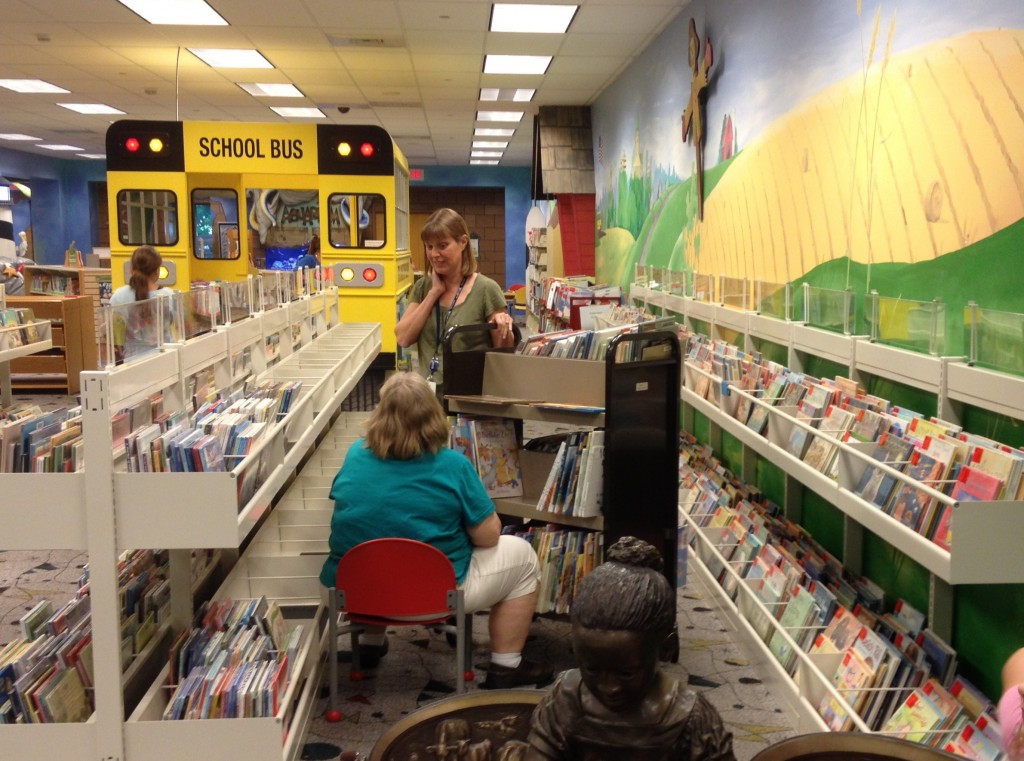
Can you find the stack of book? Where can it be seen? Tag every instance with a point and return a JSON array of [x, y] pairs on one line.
[[19, 327], [233, 662], [887, 667], [34, 441], [566, 557], [575, 483], [930, 451]]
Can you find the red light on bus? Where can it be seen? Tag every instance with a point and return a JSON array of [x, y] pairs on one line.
[[366, 149], [131, 145], [369, 274]]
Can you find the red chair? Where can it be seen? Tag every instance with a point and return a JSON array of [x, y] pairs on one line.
[[395, 582]]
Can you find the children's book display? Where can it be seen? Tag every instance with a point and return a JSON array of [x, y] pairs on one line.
[[566, 557], [19, 327], [931, 452], [893, 672], [37, 441], [232, 663]]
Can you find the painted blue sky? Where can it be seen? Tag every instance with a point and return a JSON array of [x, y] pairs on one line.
[[770, 55]]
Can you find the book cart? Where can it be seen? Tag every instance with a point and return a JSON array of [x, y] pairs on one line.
[[105, 510], [640, 399], [995, 526]]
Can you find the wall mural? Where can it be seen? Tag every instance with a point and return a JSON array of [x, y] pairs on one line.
[[879, 151]]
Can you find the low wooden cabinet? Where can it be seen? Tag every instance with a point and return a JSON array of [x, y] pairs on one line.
[[74, 349]]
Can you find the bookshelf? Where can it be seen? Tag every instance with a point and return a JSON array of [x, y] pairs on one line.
[[104, 510], [992, 525], [536, 272], [56, 280], [73, 348], [641, 404], [9, 353]]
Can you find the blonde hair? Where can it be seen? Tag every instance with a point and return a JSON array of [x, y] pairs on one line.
[[448, 223], [408, 421]]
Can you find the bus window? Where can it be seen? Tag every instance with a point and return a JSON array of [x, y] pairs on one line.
[[280, 225], [215, 223], [369, 229], [147, 217]]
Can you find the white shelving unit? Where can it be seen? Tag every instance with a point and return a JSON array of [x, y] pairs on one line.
[[994, 526], [104, 510], [8, 354]]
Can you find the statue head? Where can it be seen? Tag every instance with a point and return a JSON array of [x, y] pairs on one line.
[[622, 614]]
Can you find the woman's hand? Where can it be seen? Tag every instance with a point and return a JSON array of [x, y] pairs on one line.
[[503, 334]]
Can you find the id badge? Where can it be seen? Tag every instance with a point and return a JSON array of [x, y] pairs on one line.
[[435, 363]]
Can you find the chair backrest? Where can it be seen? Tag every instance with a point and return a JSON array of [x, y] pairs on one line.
[[395, 578]]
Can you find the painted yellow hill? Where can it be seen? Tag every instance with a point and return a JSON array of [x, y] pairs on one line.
[[916, 159]]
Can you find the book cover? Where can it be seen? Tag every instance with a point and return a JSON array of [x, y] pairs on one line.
[[915, 719], [875, 485], [909, 503], [496, 452]]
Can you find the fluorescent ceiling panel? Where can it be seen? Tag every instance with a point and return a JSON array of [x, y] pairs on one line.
[[298, 112], [489, 144], [521, 94], [493, 132], [516, 64], [486, 154], [271, 90], [30, 85], [531, 18], [17, 136], [93, 155], [228, 58], [499, 116], [178, 12], [483, 162], [91, 108], [55, 147]]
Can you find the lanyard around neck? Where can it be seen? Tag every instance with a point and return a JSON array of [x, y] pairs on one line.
[[437, 315]]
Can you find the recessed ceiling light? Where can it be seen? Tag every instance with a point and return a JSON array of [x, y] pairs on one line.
[[489, 144], [486, 154], [271, 90], [55, 147], [17, 136], [499, 116], [91, 108], [483, 162], [93, 155], [538, 19], [522, 95], [231, 58], [516, 64], [298, 112], [493, 132], [180, 12], [30, 85]]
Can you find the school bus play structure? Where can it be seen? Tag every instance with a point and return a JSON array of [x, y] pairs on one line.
[[223, 200]]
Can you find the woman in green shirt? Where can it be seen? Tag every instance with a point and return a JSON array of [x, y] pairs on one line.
[[451, 293]]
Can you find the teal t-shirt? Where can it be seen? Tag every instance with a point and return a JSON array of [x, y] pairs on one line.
[[483, 300], [432, 499]]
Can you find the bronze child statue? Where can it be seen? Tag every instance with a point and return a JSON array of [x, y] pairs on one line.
[[618, 704]]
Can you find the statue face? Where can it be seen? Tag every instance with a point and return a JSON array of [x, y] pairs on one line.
[[617, 666]]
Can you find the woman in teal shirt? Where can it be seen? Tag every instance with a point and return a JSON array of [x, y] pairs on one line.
[[401, 480]]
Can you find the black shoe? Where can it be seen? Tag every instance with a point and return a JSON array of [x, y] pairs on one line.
[[527, 672], [369, 655]]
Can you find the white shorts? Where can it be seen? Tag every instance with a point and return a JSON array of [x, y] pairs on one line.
[[503, 572]]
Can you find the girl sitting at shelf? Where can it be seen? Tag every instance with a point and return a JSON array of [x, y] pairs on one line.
[[618, 703]]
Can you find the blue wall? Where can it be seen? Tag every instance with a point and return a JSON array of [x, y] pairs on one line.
[[516, 181], [60, 201]]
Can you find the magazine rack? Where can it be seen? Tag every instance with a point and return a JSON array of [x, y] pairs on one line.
[[640, 403]]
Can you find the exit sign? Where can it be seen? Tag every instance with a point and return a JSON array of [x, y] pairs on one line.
[[415, 174]]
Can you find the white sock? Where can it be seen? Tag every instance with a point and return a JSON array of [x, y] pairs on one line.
[[511, 660], [372, 639]]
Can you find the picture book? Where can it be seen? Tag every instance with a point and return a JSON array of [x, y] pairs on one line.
[[916, 719], [912, 618], [836, 717], [497, 456], [798, 620], [853, 678], [876, 485], [821, 452], [975, 485], [909, 503]]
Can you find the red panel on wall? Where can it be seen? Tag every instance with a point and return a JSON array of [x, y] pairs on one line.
[[577, 221]]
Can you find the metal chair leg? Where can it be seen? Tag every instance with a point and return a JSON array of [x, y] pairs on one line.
[[332, 664]]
